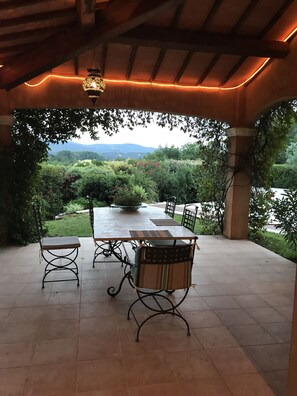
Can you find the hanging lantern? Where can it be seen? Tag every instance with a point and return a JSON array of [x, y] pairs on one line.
[[93, 85]]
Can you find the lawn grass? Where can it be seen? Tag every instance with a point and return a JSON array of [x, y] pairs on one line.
[[277, 244], [73, 224], [79, 224]]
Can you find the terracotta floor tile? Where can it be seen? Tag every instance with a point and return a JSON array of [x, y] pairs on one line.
[[270, 357], [278, 381], [102, 374], [49, 380], [16, 354], [201, 319], [92, 348], [55, 329], [12, 381], [55, 351], [251, 335], [190, 365], [147, 369], [15, 333], [98, 309], [230, 361], [222, 302], [280, 331], [248, 384], [234, 317], [265, 315], [248, 301], [215, 337]]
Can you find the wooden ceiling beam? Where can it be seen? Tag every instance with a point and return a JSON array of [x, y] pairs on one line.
[[49, 16], [86, 13], [118, 17], [203, 42]]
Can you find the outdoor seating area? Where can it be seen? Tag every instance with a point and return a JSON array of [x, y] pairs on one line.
[[69, 340]]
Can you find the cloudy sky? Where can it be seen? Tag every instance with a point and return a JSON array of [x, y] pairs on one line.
[[152, 136]]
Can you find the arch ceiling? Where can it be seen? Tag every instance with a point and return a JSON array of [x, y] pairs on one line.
[[213, 58]]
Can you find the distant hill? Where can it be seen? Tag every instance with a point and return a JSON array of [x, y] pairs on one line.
[[107, 151]]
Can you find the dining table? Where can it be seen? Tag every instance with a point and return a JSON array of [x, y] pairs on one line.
[[114, 225]]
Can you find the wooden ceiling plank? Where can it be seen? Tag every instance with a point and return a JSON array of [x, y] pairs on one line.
[[276, 16], [86, 12], [104, 57], [13, 4], [70, 43], [31, 34], [211, 14], [183, 67], [233, 71], [177, 15], [203, 42], [246, 13], [157, 65], [208, 69], [131, 62], [240, 62], [49, 16]]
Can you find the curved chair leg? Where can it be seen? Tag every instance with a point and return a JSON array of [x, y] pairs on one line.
[[159, 310], [57, 264]]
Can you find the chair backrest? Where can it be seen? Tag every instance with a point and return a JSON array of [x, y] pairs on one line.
[[91, 213], [170, 206], [189, 217], [38, 220], [164, 267]]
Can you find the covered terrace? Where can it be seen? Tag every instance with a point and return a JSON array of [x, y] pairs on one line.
[[223, 59]]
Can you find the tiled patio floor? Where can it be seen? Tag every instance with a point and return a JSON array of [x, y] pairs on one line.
[[65, 340]]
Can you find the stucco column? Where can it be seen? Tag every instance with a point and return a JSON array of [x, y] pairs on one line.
[[238, 182], [6, 122]]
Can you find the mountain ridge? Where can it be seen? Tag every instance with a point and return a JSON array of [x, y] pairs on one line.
[[107, 151]]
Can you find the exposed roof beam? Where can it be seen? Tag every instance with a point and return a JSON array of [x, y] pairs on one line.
[[203, 42], [50, 17], [118, 17], [9, 4], [86, 12], [211, 14]]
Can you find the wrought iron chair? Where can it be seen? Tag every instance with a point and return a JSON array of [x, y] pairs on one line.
[[189, 216], [59, 253], [105, 248], [156, 271], [170, 206], [188, 221]]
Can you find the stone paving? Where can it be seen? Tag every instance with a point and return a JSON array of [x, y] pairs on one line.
[[69, 340]]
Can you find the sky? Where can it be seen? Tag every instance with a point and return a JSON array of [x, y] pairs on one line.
[[152, 136]]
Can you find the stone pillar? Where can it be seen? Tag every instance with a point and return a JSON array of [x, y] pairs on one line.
[[6, 122], [238, 182]]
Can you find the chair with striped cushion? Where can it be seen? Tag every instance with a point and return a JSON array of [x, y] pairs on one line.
[[157, 271]]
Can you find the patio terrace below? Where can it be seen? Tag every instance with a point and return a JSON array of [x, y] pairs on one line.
[[68, 340]]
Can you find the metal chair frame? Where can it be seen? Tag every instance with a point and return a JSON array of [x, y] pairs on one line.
[[49, 247], [163, 256], [170, 206], [189, 217]]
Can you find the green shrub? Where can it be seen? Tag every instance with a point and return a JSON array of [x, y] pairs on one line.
[[260, 205], [73, 207], [284, 176], [285, 211]]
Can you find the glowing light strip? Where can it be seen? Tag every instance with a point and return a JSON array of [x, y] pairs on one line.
[[167, 85]]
